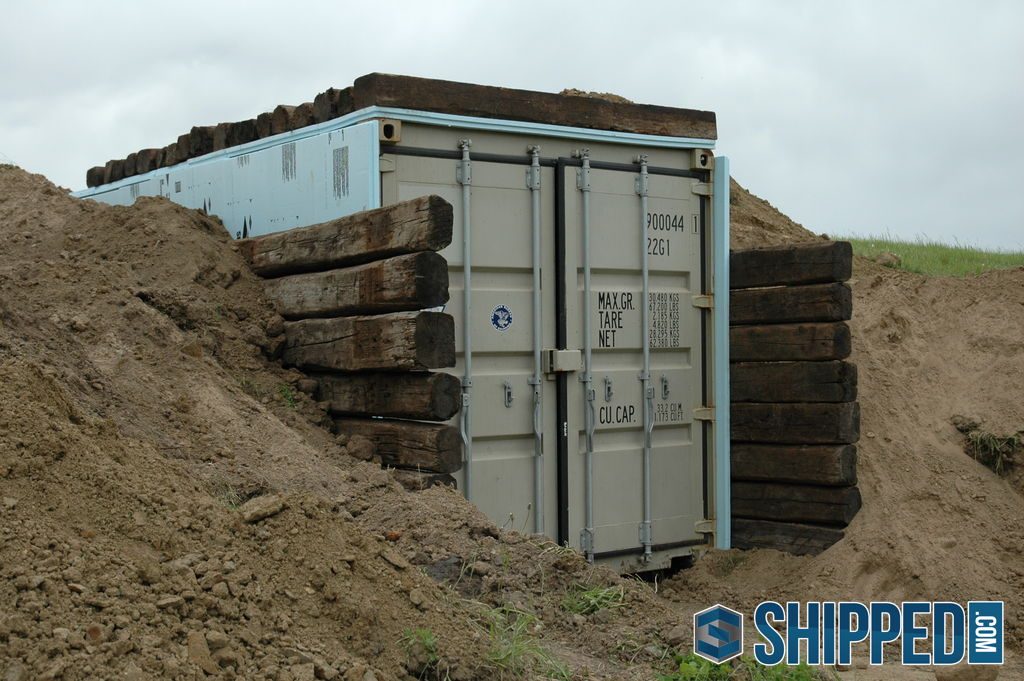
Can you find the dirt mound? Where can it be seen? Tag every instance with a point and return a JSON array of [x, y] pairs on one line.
[[140, 419], [753, 222], [935, 522]]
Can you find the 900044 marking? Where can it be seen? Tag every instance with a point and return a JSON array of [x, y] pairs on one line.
[[666, 222]]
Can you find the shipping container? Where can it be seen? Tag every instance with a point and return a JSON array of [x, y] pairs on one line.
[[589, 287]]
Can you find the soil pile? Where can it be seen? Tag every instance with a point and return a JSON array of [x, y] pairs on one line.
[[170, 506], [936, 524], [753, 222]]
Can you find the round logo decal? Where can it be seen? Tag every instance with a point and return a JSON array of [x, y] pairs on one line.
[[501, 318]]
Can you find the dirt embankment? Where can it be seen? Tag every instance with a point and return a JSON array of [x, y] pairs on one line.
[[936, 524], [138, 414]]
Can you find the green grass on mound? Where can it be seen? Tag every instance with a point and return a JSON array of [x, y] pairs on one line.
[[925, 256], [693, 668]]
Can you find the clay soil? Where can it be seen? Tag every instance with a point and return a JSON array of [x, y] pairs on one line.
[[172, 506]]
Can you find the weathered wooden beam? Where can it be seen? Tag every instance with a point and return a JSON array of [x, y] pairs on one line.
[[790, 342], [424, 94], [796, 422], [811, 263], [401, 341], [793, 381], [129, 164], [94, 176], [829, 465], [795, 538], [147, 160], [332, 103], [421, 224], [301, 116], [171, 155], [787, 304], [113, 171], [280, 117], [421, 396], [220, 136], [415, 281], [263, 124], [241, 132], [184, 147], [795, 503], [432, 447], [227, 135], [417, 481], [200, 140]]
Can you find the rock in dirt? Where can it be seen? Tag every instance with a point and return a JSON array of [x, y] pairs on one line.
[[307, 386], [361, 448], [481, 568], [199, 653], [169, 602], [678, 635], [394, 558], [965, 424], [303, 672], [217, 640], [888, 259], [260, 508], [16, 672], [133, 673], [324, 671], [360, 672]]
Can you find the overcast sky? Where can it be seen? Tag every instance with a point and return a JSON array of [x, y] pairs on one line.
[[858, 116]]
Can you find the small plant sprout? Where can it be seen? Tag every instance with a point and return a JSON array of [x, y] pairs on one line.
[[287, 394], [586, 601]]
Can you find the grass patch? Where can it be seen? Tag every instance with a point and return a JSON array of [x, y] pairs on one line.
[[694, 668], [421, 647], [584, 601], [515, 652], [997, 452], [925, 256], [287, 395]]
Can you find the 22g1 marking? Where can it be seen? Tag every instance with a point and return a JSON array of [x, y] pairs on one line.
[[659, 246]]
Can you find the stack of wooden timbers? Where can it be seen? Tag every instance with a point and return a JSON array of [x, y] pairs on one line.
[[355, 293], [795, 419]]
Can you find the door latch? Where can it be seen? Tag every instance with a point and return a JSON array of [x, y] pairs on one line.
[[561, 361], [608, 389], [508, 394], [664, 387]]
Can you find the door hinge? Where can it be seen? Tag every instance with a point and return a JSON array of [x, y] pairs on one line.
[[704, 527], [387, 164], [701, 189], [587, 542], [704, 302], [704, 414], [644, 532], [533, 170], [464, 170]]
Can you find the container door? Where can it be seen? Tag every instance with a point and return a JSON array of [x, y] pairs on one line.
[[503, 480], [670, 231]]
